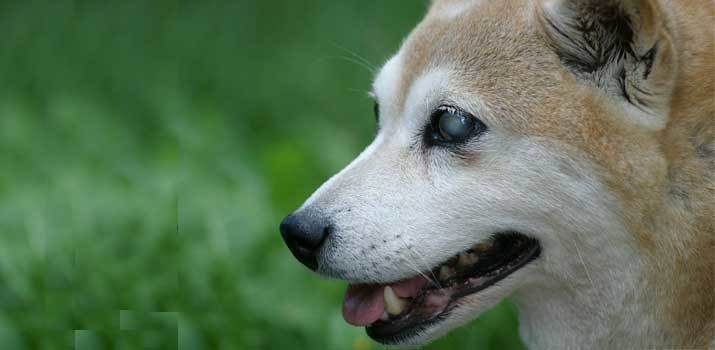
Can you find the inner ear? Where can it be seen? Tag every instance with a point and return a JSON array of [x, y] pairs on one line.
[[589, 37], [619, 46]]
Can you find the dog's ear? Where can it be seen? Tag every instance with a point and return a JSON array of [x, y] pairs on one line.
[[619, 46]]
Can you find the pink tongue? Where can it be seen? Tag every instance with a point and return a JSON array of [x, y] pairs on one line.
[[363, 304]]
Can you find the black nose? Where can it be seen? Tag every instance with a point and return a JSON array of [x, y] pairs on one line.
[[304, 233]]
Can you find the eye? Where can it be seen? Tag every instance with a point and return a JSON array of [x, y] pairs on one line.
[[451, 126]]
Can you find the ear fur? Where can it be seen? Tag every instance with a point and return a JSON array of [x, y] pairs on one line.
[[622, 47]]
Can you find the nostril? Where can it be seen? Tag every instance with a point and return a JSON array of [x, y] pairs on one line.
[[304, 234]]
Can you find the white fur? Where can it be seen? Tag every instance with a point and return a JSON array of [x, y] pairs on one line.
[[387, 84]]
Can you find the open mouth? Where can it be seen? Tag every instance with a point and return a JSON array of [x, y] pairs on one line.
[[397, 311]]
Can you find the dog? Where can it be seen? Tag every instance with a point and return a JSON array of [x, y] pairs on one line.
[[556, 152]]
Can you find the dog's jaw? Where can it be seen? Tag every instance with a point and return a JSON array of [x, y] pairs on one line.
[[470, 307]]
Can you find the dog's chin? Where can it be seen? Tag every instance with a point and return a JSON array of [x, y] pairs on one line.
[[459, 290]]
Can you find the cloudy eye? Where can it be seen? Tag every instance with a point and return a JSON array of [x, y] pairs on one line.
[[450, 126]]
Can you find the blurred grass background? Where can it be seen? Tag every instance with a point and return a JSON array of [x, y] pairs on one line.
[[149, 149]]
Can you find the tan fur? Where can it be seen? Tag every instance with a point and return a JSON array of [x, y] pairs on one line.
[[689, 197], [664, 178]]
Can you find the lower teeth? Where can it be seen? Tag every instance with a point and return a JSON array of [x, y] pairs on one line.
[[445, 273]]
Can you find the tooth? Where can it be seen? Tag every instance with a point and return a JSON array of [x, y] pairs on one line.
[[466, 259], [394, 304], [445, 272], [384, 316], [463, 260], [483, 247]]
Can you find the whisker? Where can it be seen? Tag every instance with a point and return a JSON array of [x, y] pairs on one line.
[[414, 267], [434, 281], [356, 58], [583, 263], [358, 62]]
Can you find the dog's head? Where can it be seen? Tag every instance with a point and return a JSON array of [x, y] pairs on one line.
[[510, 136]]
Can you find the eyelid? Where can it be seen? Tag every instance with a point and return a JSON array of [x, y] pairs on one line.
[[457, 110], [450, 109]]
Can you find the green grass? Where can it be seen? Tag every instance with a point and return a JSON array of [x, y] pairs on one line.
[[149, 149]]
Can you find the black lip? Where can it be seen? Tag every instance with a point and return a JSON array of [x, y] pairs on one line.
[[394, 332]]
